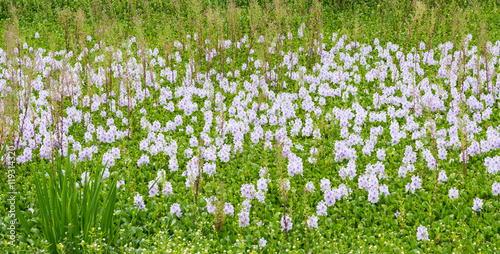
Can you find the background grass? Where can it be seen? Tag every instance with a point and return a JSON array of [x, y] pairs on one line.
[[163, 22]]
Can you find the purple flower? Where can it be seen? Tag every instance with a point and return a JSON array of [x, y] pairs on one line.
[[144, 160], [343, 191], [310, 187], [193, 142], [188, 152], [410, 156], [263, 172], [317, 134], [492, 164], [453, 193], [324, 184], [173, 165], [344, 151], [285, 184], [312, 222], [495, 188], [210, 207], [397, 214], [175, 209], [153, 188], [422, 234], [244, 219], [373, 195], [416, 183], [139, 202], [229, 209], [478, 205], [442, 176], [330, 197], [209, 168], [349, 170], [261, 196], [384, 189], [295, 165], [224, 153], [262, 242], [321, 208], [189, 128], [442, 153], [178, 120], [431, 161], [369, 145], [248, 191], [85, 177], [210, 153], [247, 205], [262, 185], [167, 189], [286, 223], [120, 183], [381, 154]]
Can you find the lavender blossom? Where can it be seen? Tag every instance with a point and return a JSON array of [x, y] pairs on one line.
[[422, 234], [286, 223], [167, 189], [175, 209], [324, 184], [248, 191], [312, 222], [381, 154], [153, 188], [478, 205], [139, 202], [244, 218], [228, 209], [310, 187], [453, 193], [262, 184], [321, 209], [120, 183], [210, 207], [495, 188], [442, 176], [416, 183], [262, 242]]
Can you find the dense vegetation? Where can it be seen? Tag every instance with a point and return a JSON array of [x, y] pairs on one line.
[[250, 126]]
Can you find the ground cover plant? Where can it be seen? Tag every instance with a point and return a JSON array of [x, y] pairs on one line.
[[283, 126]]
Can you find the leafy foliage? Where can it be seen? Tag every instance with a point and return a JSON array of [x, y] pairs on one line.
[[69, 213]]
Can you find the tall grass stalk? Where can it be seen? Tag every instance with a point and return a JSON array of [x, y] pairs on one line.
[[3, 151], [69, 213]]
